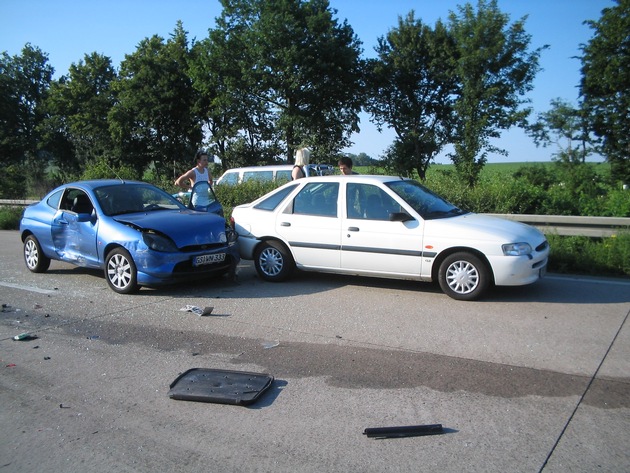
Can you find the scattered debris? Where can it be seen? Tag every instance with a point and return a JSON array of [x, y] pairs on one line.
[[267, 345], [46, 358], [197, 310], [403, 431], [24, 337], [219, 386]]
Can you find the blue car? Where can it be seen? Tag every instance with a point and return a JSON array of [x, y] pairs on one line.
[[138, 234]]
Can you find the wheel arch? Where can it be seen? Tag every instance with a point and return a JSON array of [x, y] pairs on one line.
[[276, 239], [435, 269]]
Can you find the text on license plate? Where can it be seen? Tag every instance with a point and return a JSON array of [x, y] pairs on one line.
[[208, 259]]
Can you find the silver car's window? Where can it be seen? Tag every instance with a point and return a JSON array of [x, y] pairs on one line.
[[271, 202], [369, 202], [317, 198], [423, 201]]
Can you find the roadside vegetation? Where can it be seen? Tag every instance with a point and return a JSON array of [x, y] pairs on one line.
[[517, 188]]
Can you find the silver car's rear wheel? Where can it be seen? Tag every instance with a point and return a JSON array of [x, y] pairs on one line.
[[35, 259], [463, 276], [273, 261], [120, 271]]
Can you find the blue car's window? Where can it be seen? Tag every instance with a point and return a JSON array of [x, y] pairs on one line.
[[423, 201], [274, 199], [130, 198], [53, 200]]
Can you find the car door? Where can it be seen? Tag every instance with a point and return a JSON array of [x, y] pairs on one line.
[[74, 230], [373, 244], [311, 225]]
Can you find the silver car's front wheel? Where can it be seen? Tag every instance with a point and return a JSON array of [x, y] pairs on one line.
[[273, 261], [463, 276], [120, 271]]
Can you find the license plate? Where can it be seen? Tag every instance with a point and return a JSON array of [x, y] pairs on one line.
[[208, 259]]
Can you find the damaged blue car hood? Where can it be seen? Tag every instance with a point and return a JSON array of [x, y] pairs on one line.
[[182, 226]]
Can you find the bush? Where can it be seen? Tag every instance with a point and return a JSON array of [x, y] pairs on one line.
[[10, 218], [595, 256], [230, 196]]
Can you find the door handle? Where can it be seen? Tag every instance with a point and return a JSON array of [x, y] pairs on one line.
[[285, 224], [353, 229]]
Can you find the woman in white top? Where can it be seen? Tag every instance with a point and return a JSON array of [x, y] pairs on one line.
[[198, 174]]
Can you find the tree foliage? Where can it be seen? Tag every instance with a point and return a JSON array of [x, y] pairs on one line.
[[24, 83], [76, 130], [153, 119], [298, 64], [411, 88], [605, 85], [495, 69], [566, 127]]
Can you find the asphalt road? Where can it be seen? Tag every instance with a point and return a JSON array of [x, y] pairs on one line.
[[530, 379]]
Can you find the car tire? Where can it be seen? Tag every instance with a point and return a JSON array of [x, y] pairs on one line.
[[35, 259], [273, 261], [463, 276], [121, 272]]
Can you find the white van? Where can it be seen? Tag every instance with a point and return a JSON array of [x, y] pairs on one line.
[[279, 172]]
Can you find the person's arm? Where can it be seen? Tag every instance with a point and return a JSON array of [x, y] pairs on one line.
[[185, 180]]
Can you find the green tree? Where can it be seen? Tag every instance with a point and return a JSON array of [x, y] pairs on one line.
[[605, 85], [77, 129], [294, 58], [411, 88], [154, 118], [564, 126], [239, 124], [24, 83], [495, 69]]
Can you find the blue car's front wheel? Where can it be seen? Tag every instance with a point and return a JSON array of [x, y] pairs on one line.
[[35, 259], [120, 271]]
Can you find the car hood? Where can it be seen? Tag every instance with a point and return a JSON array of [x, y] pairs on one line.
[[484, 227], [184, 227]]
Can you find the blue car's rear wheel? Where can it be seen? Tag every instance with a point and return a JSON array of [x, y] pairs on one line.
[[121, 272], [35, 259]]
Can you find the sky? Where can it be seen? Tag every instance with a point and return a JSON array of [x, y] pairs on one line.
[[66, 30]]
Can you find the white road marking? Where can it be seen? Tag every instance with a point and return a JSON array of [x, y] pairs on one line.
[[26, 288]]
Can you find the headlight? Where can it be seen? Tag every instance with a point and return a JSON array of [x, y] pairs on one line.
[[230, 235], [159, 243], [516, 249]]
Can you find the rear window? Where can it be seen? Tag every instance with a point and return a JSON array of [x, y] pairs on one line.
[[271, 202]]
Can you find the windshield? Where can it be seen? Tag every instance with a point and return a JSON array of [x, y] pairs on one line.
[[423, 201], [130, 198]]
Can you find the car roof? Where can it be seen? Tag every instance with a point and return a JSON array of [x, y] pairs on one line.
[[355, 178], [96, 183], [270, 167]]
